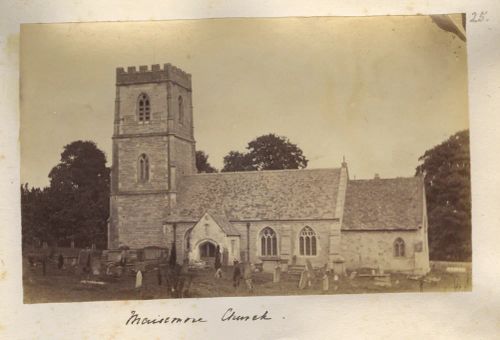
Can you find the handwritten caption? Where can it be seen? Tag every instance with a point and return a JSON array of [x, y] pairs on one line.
[[230, 315]]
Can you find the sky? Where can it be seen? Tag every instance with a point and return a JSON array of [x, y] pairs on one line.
[[378, 90]]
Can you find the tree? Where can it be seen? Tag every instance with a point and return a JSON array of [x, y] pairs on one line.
[[267, 152], [34, 215], [237, 161], [79, 195], [446, 168], [202, 164]]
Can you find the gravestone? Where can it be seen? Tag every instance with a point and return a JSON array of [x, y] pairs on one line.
[[95, 264], [277, 274], [303, 280], [310, 269], [138, 279]]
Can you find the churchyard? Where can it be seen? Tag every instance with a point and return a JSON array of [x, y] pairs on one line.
[[71, 284]]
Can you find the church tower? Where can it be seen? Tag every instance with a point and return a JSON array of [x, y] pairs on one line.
[[153, 145]]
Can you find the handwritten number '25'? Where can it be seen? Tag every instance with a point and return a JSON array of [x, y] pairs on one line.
[[478, 17]]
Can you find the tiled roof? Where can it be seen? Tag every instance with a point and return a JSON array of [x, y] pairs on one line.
[[224, 223], [265, 195], [383, 204]]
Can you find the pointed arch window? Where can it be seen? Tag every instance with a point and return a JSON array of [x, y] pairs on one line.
[[268, 242], [307, 242], [180, 102], [399, 247], [144, 108], [143, 168]]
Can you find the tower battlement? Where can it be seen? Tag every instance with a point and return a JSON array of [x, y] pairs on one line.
[[156, 73]]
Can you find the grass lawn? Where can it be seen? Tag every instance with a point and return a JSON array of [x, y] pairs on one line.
[[65, 286]]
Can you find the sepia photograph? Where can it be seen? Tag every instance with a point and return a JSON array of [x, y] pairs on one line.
[[244, 157]]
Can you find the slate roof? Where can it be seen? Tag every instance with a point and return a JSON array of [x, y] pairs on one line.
[[260, 195], [388, 204]]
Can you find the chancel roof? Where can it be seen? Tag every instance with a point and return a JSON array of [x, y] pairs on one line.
[[385, 204]]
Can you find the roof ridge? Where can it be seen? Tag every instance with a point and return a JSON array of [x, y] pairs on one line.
[[259, 172], [383, 179]]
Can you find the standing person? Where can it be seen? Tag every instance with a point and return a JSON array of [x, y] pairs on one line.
[[44, 264], [236, 274], [60, 261]]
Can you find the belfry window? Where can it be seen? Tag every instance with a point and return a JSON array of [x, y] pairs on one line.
[[268, 242], [143, 168], [307, 242], [399, 247], [181, 110], [144, 108]]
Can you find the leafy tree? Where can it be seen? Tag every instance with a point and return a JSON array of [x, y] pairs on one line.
[[76, 205], [446, 168], [202, 164], [237, 161], [267, 152]]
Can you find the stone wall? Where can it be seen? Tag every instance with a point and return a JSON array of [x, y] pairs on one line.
[[129, 150], [182, 128], [184, 157], [128, 102], [140, 220], [376, 249]]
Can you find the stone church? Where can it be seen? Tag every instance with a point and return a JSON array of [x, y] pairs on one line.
[[281, 217]]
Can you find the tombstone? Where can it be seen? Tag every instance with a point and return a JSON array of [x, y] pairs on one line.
[[353, 275], [247, 275], [384, 281], [325, 282], [277, 274], [138, 279], [119, 271], [95, 264], [303, 280], [310, 269]]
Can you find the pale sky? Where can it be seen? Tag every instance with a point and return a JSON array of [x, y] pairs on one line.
[[379, 90]]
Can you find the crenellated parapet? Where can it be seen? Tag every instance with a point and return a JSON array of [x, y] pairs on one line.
[[145, 74]]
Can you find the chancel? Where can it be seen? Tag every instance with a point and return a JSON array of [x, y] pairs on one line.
[[272, 218]]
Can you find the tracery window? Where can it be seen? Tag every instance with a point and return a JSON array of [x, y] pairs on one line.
[[399, 247], [268, 242], [307, 242], [144, 108]]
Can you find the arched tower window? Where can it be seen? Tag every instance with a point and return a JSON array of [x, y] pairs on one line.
[[143, 168], [181, 109], [144, 108], [268, 242], [399, 247], [307, 242]]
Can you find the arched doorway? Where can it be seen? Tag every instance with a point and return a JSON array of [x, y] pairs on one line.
[[207, 252]]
